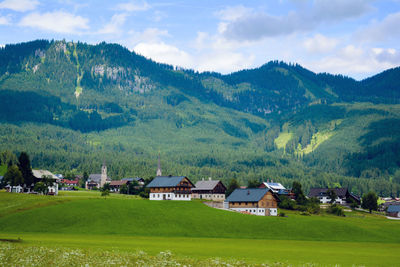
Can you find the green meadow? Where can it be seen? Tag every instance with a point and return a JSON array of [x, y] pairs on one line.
[[191, 232]]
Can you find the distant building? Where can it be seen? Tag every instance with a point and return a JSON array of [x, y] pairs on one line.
[[209, 189], [257, 201], [115, 186], [69, 182], [170, 188], [98, 180], [139, 180], [393, 211], [38, 177], [343, 195]]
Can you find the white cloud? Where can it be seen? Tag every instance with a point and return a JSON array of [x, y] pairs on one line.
[[59, 21], [355, 61], [254, 25], [233, 13], [133, 6], [224, 62], [2, 45], [5, 20], [381, 31], [19, 5], [320, 44], [114, 26], [164, 53]]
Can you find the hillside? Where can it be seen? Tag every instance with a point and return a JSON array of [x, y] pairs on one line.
[[192, 229], [73, 105]]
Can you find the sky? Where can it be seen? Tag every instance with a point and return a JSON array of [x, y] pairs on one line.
[[357, 38]]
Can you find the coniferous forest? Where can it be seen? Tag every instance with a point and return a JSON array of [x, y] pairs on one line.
[[71, 106]]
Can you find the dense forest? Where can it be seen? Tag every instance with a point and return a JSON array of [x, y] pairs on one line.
[[73, 105]]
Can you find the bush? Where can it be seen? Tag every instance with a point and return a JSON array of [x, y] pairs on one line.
[[282, 214], [336, 210], [286, 203]]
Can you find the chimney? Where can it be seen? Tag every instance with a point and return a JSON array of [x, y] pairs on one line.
[[248, 192]]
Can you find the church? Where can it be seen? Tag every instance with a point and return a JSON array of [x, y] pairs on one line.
[[98, 180]]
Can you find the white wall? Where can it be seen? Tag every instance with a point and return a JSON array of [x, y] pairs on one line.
[[215, 197], [170, 196], [257, 211], [325, 200]]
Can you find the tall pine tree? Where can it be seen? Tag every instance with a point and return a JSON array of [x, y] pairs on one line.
[[24, 165]]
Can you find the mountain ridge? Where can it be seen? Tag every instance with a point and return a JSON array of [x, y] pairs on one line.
[[270, 120]]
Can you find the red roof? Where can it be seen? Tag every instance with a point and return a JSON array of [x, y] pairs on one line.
[[66, 181]]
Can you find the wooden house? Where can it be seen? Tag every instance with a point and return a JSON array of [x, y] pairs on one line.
[[257, 201], [115, 186], [209, 189], [393, 211], [170, 188]]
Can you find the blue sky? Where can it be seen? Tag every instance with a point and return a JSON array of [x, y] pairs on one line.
[[352, 37]]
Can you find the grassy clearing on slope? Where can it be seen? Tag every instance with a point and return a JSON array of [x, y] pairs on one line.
[[282, 140], [136, 217]]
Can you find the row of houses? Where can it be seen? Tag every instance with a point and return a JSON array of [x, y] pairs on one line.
[[258, 201], [38, 176]]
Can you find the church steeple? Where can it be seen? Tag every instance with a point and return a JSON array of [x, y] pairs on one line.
[[159, 166], [103, 178]]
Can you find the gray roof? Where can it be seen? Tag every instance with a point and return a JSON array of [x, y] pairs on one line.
[[40, 173], [96, 177], [247, 195], [206, 185], [393, 208], [165, 181], [130, 179]]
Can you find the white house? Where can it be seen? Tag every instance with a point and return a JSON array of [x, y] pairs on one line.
[[38, 176]]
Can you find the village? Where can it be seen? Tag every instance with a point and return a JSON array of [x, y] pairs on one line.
[[262, 200]]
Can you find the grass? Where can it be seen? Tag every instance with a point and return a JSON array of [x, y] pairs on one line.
[[283, 139], [125, 224]]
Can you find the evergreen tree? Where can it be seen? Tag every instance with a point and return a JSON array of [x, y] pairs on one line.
[[24, 165], [13, 176], [231, 187]]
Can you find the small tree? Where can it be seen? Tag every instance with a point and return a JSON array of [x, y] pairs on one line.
[[13, 176], [332, 195], [298, 192], [252, 184], [48, 182], [84, 179], [40, 187], [124, 189], [370, 201], [104, 192], [231, 187]]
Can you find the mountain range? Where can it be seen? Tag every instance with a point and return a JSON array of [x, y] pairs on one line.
[[73, 105]]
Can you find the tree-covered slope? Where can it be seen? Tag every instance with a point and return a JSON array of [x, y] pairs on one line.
[[72, 105]]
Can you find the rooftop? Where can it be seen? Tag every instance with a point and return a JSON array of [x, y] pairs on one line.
[[206, 185], [39, 174], [166, 181], [247, 195]]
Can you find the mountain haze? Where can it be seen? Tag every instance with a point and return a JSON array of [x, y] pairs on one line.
[[73, 105]]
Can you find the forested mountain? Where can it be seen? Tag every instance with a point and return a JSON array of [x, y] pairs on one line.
[[73, 105]]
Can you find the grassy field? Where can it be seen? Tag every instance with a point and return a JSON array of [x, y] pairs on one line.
[[193, 232]]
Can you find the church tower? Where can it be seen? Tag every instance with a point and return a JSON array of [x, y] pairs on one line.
[[103, 178], [159, 166]]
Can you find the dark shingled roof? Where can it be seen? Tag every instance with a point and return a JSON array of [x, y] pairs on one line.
[[393, 208], [137, 179], [165, 181], [247, 195], [340, 192]]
